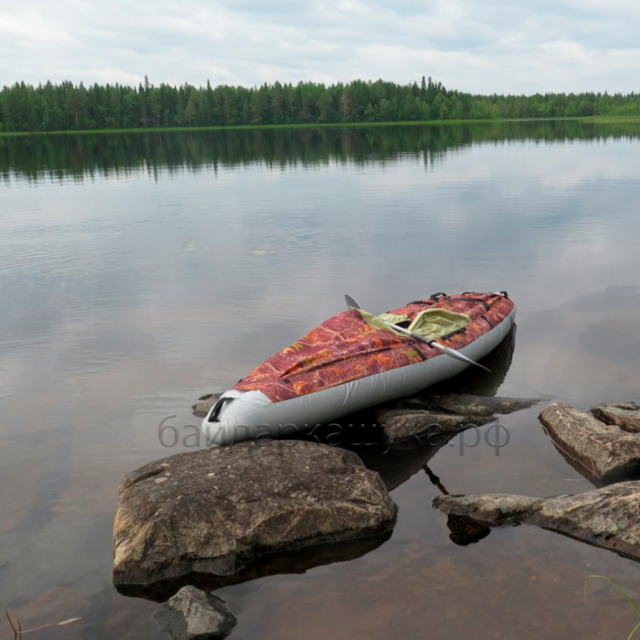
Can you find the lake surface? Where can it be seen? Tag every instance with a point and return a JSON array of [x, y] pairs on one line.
[[138, 272]]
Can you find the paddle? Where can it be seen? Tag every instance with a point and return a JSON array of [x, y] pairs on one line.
[[352, 304]]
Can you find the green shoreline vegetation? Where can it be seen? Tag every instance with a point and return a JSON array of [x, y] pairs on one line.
[[68, 108], [328, 125]]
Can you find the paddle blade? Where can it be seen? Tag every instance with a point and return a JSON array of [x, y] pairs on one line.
[[351, 303], [457, 355]]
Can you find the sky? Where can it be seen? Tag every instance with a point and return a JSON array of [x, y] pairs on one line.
[[501, 46]]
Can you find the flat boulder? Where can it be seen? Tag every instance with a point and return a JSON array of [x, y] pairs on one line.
[[192, 614], [466, 404], [625, 415], [607, 518], [602, 451], [419, 417], [216, 510], [402, 425]]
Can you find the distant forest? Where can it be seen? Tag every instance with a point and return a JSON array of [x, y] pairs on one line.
[[65, 106]]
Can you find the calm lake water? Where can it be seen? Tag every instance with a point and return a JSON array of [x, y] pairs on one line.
[[138, 272]]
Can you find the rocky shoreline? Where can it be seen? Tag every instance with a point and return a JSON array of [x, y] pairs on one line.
[[605, 447], [224, 515]]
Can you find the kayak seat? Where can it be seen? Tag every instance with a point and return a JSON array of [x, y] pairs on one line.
[[438, 323]]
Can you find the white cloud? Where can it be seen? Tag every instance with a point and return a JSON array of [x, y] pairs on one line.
[[486, 46]]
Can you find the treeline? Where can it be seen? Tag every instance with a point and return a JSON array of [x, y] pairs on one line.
[[65, 106]]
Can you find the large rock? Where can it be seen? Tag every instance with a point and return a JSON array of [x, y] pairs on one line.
[[602, 451], [195, 615], [216, 510], [625, 415], [608, 517], [419, 417]]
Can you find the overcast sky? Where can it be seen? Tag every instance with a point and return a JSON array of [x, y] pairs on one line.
[[475, 45]]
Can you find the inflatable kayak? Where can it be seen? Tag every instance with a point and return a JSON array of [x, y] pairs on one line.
[[356, 360]]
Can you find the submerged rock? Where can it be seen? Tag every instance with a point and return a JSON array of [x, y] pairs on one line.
[[625, 415], [195, 615], [607, 518], [603, 451], [423, 415], [216, 510]]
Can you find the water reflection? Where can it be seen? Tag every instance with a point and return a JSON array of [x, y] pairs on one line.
[[481, 383], [139, 272], [289, 562], [89, 156], [464, 530]]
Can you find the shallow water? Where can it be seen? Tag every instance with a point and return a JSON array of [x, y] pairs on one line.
[[140, 271]]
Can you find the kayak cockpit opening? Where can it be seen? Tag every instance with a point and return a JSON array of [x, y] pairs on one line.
[[430, 324], [217, 408]]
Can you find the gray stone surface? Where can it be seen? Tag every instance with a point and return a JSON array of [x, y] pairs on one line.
[[603, 451], [466, 404], [401, 425], [607, 518], [195, 615], [419, 417], [215, 510]]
